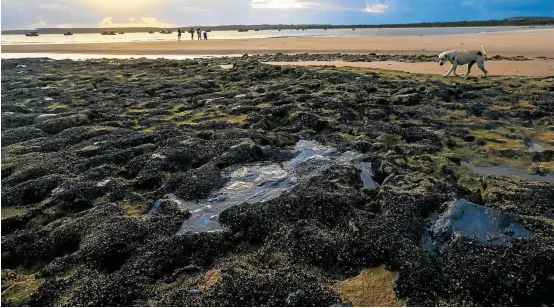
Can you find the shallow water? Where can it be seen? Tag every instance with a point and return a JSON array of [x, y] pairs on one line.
[[261, 182], [80, 38], [466, 219], [508, 171], [82, 57]]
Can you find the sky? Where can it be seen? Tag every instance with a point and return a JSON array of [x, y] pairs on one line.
[[30, 14]]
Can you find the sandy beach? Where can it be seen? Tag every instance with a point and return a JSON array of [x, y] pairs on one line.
[[536, 68], [528, 43]]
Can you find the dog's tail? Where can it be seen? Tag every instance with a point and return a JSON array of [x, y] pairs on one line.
[[483, 49]]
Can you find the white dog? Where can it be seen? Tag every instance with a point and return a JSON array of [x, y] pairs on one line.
[[463, 57]]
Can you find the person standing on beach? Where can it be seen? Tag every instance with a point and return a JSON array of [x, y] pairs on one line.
[[205, 35], [199, 33], [179, 34], [192, 34]]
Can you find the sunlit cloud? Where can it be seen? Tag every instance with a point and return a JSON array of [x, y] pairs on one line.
[[377, 8], [284, 4], [119, 7], [108, 22]]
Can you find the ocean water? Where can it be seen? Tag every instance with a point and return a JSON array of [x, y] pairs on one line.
[[221, 35], [84, 56]]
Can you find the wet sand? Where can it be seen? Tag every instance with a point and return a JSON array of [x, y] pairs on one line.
[[535, 68], [528, 43]]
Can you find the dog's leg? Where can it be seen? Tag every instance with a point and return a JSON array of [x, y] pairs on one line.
[[481, 66], [452, 69], [469, 68]]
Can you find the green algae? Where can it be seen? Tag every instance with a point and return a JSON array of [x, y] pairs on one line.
[[18, 293], [8, 212]]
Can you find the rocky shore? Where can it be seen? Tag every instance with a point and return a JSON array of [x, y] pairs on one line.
[[341, 186]]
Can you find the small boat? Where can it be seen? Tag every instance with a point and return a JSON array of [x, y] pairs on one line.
[[31, 34], [151, 32], [209, 30], [243, 30], [166, 32], [257, 30], [279, 30], [121, 33], [353, 29], [109, 33], [68, 33]]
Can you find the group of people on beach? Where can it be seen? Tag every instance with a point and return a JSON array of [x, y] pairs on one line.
[[191, 31]]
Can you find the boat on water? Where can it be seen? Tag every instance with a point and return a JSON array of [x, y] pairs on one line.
[[257, 30], [109, 33], [68, 33], [151, 32], [166, 32], [243, 30], [209, 30], [31, 34], [121, 33]]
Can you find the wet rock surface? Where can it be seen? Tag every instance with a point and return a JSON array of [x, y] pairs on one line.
[[332, 171]]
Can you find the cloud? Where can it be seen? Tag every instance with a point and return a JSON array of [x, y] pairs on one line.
[[377, 8], [27, 14], [122, 7], [284, 4], [51, 6], [108, 22]]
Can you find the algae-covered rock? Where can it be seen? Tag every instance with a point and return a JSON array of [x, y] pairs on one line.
[[519, 196], [181, 183], [56, 125]]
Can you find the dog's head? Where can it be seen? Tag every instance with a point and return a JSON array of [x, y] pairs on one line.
[[443, 57]]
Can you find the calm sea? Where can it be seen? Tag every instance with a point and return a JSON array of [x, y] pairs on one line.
[[220, 35]]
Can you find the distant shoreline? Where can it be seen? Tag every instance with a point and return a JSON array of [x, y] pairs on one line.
[[130, 30], [527, 43]]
